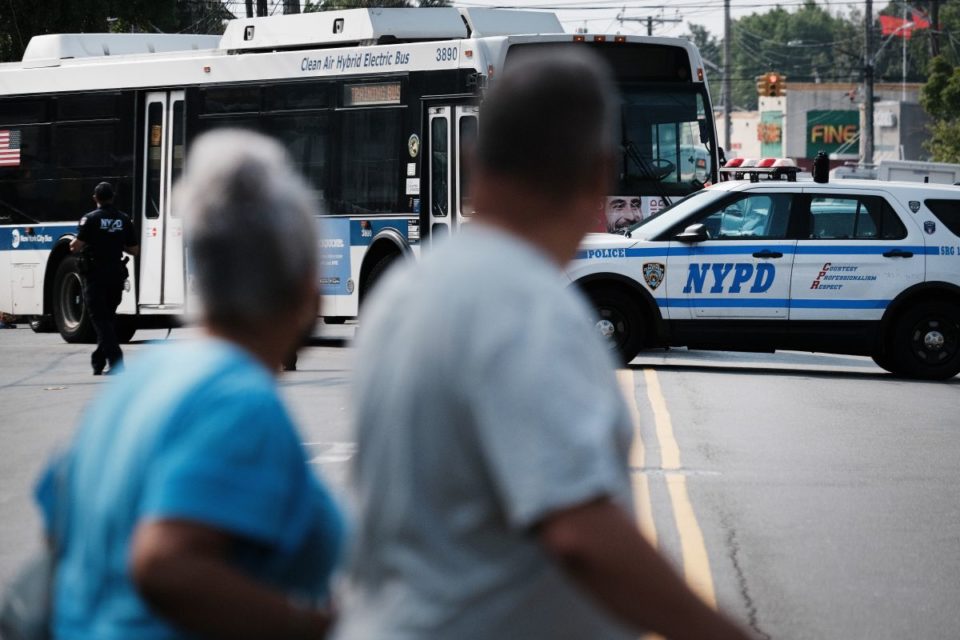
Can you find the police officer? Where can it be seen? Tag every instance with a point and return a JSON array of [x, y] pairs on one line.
[[102, 237]]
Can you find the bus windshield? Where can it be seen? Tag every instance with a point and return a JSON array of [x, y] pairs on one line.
[[665, 140], [665, 131]]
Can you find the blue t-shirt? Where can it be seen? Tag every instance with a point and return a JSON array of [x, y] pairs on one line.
[[193, 431]]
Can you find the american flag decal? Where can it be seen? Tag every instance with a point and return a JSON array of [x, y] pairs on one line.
[[9, 148]]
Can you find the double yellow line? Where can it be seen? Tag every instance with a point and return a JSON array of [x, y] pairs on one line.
[[696, 562]]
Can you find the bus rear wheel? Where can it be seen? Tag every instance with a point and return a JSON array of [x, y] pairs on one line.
[[69, 311]]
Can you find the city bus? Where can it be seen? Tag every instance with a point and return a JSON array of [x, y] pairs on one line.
[[375, 106]]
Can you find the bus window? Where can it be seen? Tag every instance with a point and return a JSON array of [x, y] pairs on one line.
[[306, 138], [369, 161], [439, 188], [468, 136], [176, 166], [86, 150], [244, 99], [154, 159]]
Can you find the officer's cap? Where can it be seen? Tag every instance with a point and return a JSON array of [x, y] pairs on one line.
[[103, 191]]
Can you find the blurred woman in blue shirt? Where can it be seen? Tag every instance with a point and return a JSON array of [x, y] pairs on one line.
[[188, 508]]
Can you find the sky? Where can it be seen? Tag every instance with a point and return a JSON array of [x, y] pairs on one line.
[[600, 16]]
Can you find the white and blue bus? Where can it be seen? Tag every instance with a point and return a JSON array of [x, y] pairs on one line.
[[375, 106]]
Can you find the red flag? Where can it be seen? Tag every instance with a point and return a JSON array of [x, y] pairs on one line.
[[919, 19], [890, 25]]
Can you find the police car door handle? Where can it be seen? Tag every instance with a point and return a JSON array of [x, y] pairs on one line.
[[766, 253], [898, 253]]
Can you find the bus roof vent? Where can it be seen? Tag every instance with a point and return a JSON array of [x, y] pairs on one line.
[[49, 50], [340, 28], [506, 22]]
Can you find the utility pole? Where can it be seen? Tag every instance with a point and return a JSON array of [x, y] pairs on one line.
[[650, 20], [262, 9], [291, 6], [249, 4], [866, 135], [727, 68]]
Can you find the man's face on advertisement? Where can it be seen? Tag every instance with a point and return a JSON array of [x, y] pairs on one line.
[[623, 212]]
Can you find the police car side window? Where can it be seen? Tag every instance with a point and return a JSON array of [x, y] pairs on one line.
[[947, 212], [759, 215], [853, 218]]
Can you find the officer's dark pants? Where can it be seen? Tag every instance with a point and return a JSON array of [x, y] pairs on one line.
[[101, 294]]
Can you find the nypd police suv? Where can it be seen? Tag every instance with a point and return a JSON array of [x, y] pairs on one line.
[[854, 267]]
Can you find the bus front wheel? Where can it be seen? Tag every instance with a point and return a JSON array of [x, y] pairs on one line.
[[376, 272], [69, 311]]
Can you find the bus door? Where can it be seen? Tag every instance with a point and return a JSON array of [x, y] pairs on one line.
[[468, 122], [452, 130], [439, 172], [161, 283]]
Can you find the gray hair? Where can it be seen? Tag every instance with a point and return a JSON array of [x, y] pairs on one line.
[[249, 226]]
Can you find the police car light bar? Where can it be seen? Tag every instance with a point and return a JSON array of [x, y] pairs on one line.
[[751, 169]]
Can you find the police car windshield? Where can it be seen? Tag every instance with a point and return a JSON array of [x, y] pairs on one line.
[[655, 225]]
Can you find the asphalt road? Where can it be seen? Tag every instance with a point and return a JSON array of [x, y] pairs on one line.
[[811, 496]]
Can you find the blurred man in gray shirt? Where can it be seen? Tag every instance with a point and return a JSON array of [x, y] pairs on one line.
[[492, 480]]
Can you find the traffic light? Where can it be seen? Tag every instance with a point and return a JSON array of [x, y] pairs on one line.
[[771, 84]]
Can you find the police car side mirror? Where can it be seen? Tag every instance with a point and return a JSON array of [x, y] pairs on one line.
[[693, 233]]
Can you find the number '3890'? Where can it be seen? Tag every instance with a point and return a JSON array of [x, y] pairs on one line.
[[446, 53]]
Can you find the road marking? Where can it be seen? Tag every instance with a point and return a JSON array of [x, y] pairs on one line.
[[669, 450], [696, 562], [638, 453]]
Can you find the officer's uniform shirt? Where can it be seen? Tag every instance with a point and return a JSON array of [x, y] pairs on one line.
[[106, 231]]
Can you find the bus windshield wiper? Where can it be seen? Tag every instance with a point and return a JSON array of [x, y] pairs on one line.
[[631, 152]]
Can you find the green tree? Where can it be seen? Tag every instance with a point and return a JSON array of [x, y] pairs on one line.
[[809, 44], [20, 20], [709, 45], [940, 97]]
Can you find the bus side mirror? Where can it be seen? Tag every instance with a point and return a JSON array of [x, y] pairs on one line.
[[722, 156], [693, 233]]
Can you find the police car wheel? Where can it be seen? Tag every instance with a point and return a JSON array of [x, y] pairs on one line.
[[69, 311], [927, 341], [620, 321], [886, 362]]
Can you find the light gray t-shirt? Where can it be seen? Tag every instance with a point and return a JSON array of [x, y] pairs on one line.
[[484, 401]]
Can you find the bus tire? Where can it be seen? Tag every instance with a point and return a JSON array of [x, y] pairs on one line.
[[376, 272], [620, 320], [926, 341], [69, 311]]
